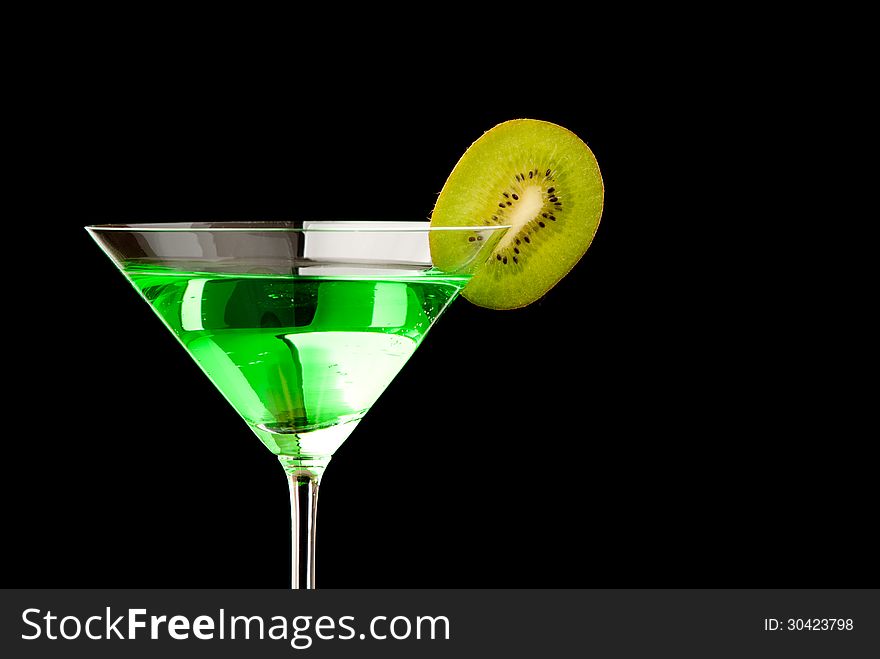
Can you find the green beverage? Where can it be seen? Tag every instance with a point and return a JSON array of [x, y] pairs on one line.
[[301, 358], [303, 353]]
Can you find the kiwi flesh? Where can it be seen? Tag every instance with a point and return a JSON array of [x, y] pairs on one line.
[[542, 181]]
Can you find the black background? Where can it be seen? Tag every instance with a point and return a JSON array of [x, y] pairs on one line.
[[668, 415]]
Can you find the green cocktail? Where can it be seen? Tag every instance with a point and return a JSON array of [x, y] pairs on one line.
[[300, 325], [298, 356]]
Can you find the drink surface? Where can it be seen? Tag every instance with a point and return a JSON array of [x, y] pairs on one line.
[[298, 356]]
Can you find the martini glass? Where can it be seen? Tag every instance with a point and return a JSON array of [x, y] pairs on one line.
[[301, 326]]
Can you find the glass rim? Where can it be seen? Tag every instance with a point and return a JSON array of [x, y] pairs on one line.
[[348, 226]]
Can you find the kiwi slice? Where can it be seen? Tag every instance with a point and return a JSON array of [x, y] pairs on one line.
[[544, 182]]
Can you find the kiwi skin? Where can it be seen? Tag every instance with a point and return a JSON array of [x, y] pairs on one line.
[[554, 217]]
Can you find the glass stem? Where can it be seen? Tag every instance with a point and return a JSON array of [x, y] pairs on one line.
[[303, 478]]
